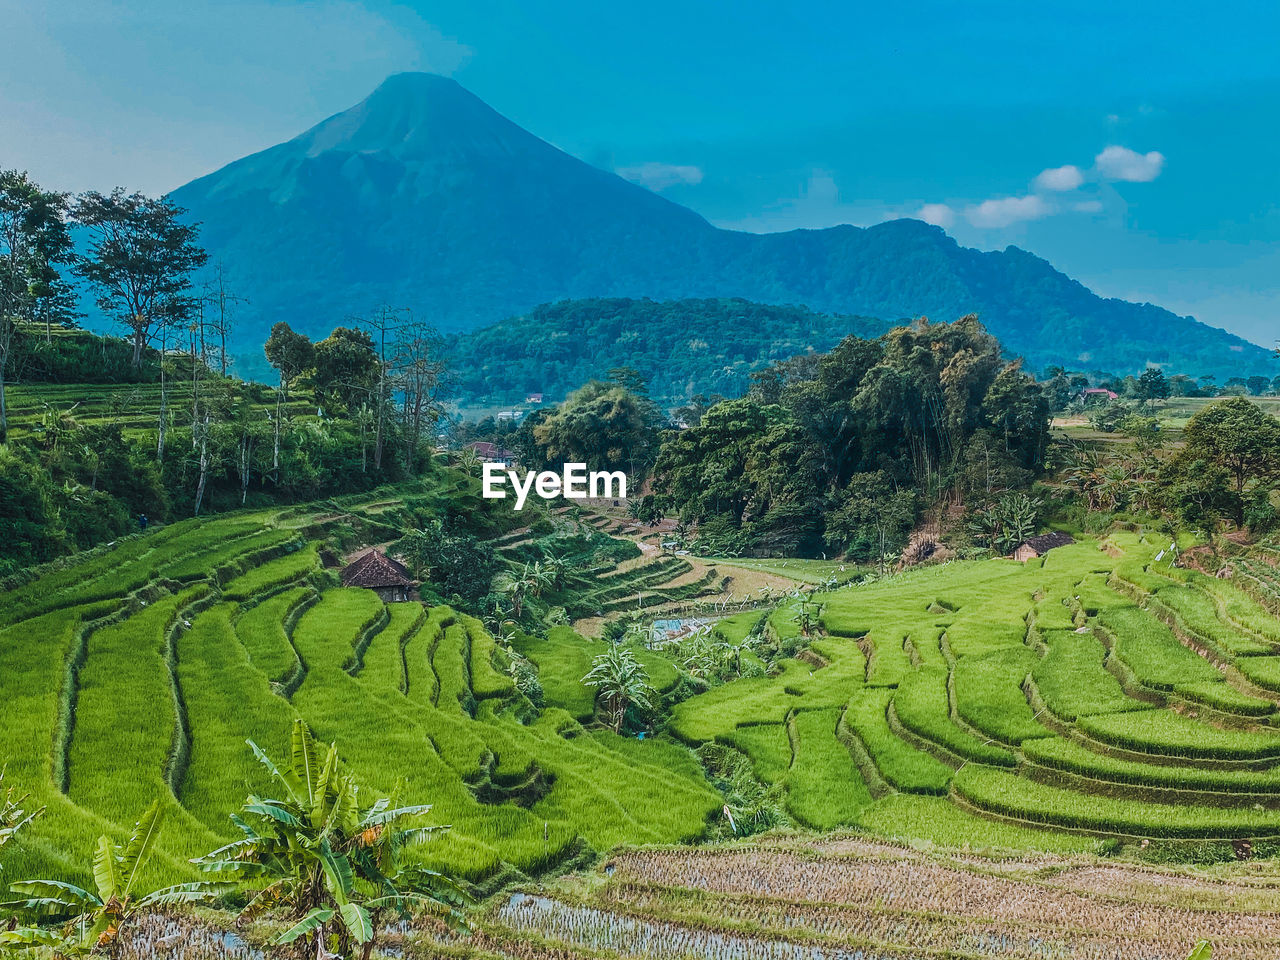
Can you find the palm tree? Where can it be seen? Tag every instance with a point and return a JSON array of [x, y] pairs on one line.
[[332, 863], [99, 918], [620, 682]]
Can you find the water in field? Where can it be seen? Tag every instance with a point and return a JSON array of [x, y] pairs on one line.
[[181, 937], [601, 930]]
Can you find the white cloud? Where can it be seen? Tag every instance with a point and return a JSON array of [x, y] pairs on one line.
[[938, 214], [1005, 211], [817, 206], [1121, 163], [1059, 179], [660, 176], [1088, 206]]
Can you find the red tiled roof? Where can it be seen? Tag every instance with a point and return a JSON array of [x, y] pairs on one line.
[[488, 450]]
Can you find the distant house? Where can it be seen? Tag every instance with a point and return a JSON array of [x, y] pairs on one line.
[[509, 415], [1098, 393], [533, 398], [374, 570], [492, 453], [1039, 546]]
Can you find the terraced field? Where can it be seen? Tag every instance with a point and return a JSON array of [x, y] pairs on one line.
[[1098, 698], [1098, 692], [140, 671], [134, 406]]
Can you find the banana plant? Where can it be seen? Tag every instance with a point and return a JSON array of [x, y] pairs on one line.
[[98, 918], [330, 864], [13, 817]]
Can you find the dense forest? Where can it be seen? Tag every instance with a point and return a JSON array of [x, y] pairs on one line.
[[681, 347], [838, 452]]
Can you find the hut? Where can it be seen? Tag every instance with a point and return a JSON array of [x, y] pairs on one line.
[[375, 571], [1039, 546]]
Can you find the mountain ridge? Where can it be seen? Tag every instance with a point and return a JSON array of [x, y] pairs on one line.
[[424, 196]]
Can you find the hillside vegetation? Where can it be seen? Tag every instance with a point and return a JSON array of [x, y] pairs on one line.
[[681, 347], [140, 672]]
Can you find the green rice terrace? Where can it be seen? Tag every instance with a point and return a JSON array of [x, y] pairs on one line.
[[960, 754]]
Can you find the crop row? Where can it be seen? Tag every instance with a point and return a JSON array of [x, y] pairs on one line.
[[922, 705], [1159, 661], [1066, 754], [1007, 794]]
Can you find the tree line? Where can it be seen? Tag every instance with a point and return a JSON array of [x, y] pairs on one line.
[[351, 411]]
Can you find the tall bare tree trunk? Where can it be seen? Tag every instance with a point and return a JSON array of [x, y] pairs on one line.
[[275, 453], [382, 390], [4, 410], [164, 406], [204, 465]]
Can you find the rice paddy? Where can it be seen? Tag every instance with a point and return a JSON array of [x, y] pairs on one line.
[[1093, 698]]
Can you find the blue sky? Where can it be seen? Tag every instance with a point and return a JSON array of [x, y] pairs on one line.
[[1134, 145]]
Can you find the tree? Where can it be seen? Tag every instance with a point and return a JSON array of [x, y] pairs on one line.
[[222, 303], [452, 564], [1238, 437], [621, 682], [872, 518], [345, 370], [332, 864], [607, 426], [1007, 521], [419, 373], [98, 919], [292, 354], [516, 584], [383, 322], [141, 257], [1153, 385], [33, 239]]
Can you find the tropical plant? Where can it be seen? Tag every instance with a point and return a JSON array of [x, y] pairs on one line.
[[621, 682], [556, 568], [332, 864], [705, 655], [97, 920], [468, 461], [530, 578], [13, 817], [1008, 521]]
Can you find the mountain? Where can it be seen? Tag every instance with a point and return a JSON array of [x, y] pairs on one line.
[[423, 196]]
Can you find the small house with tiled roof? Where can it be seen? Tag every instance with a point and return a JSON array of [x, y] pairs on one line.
[[374, 570], [1039, 546]]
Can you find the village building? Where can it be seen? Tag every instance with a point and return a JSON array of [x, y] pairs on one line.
[[374, 570], [1039, 546], [490, 452], [533, 398], [1098, 393]]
